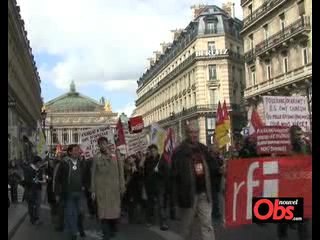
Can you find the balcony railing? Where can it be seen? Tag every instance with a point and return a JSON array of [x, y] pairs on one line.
[[206, 108], [262, 10], [189, 111], [166, 79], [293, 29], [165, 59], [249, 56], [185, 64], [293, 76]]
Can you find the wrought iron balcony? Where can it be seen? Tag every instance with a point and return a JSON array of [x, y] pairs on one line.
[[190, 111], [166, 79], [249, 56], [261, 11], [295, 29], [293, 76]]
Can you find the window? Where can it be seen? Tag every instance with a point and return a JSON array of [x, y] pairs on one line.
[[231, 46], [211, 47], [251, 41], [65, 137], [211, 123], [212, 72], [282, 22], [233, 73], [214, 96], [305, 56], [268, 71], [285, 64], [266, 32], [189, 79], [194, 99], [54, 138], [212, 27], [238, 50], [253, 76]]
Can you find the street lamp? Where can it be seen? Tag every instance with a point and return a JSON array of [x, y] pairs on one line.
[[51, 137], [43, 119]]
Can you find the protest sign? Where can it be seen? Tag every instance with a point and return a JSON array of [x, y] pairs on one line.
[[273, 139], [136, 124], [287, 111], [136, 142], [158, 136], [89, 140], [266, 177]]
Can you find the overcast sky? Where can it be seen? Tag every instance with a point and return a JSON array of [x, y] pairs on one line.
[[101, 44]]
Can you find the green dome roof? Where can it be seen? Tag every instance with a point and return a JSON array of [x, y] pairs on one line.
[[73, 102]]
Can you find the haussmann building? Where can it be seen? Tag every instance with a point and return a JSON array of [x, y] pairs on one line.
[[278, 50], [185, 81]]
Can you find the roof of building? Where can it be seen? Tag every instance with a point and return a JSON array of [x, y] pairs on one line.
[[74, 102], [224, 23]]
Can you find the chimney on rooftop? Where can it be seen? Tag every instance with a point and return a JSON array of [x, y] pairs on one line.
[[197, 9], [229, 8]]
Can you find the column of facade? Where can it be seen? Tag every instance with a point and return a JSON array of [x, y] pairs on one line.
[[70, 136], [59, 132], [202, 129]]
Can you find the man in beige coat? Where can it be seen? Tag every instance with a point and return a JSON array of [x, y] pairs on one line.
[[107, 186]]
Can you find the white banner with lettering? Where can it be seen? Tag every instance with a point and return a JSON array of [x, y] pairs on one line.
[[287, 111], [89, 140]]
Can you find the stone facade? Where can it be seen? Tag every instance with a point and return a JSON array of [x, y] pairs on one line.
[[24, 93], [278, 49], [187, 81]]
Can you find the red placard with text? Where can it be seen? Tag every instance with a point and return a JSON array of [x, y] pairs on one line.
[[136, 124], [266, 177]]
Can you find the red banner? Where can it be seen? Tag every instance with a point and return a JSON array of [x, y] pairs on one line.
[[136, 124], [265, 177], [119, 137], [273, 139]]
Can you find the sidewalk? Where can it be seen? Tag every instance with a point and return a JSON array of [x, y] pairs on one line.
[[16, 215]]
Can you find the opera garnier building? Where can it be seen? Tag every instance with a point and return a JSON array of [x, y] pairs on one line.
[[71, 113]]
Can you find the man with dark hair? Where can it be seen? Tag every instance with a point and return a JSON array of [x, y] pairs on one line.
[[156, 172], [71, 179], [192, 184], [34, 178]]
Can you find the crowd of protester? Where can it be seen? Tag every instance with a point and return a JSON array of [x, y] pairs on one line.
[[144, 187]]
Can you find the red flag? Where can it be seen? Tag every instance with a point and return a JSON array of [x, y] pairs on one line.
[[168, 146], [226, 117], [120, 138], [219, 118], [255, 122], [225, 111]]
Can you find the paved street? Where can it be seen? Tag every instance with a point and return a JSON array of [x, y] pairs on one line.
[[134, 232]]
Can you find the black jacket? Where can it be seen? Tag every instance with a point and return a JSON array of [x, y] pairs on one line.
[[62, 178], [156, 182], [183, 179]]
